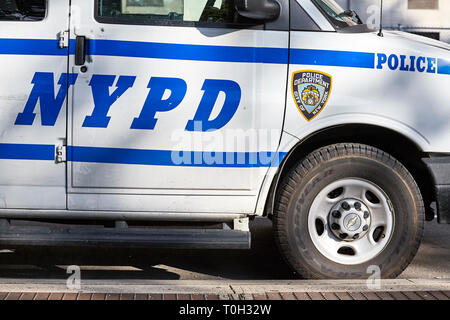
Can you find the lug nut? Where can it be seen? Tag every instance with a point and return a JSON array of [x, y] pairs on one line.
[[356, 236], [335, 226], [336, 214], [358, 206], [366, 227], [343, 235], [366, 214], [345, 206]]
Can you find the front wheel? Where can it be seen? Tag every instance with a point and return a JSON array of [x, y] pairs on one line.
[[347, 209]]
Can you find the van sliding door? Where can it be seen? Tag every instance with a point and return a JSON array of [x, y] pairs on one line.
[[178, 106]]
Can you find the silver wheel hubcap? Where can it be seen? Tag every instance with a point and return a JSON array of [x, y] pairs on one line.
[[351, 221]]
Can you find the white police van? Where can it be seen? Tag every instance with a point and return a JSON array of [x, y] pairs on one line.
[[172, 123]]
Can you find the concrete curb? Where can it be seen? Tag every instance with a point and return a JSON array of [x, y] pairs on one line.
[[224, 287]]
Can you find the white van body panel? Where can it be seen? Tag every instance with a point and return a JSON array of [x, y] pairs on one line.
[[414, 104], [198, 188], [116, 165], [33, 180]]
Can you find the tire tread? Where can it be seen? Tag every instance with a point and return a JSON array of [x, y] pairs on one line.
[[324, 154]]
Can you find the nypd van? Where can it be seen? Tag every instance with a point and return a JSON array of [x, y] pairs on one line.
[[173, 123]]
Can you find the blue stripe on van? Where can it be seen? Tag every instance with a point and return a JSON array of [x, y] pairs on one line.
[[152, 50], [171, 51], [173, 158], [333, 58], [443, 66], [144, 157], [27, 151], [41, 47], [187, 52], [230, 54]]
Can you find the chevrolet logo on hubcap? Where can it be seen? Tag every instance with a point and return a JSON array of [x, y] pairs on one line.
[[352, 222]]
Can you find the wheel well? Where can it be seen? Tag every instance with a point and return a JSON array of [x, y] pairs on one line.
[[399, 146]]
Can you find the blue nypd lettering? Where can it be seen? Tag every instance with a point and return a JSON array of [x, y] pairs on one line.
[[103, 101], [44, 92], [212, 89], [407, 63], [155, 102]]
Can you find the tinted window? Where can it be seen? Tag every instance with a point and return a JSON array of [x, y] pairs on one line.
[[336, 15], [22, 10], [432, 35], [169, 11], [300, 20]]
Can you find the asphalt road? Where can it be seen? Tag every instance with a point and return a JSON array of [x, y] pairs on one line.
[[261, 263]]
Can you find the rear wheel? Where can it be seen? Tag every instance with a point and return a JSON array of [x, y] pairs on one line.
[[346, 208]]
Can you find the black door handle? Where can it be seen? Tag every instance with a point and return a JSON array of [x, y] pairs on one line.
[[80, 51]]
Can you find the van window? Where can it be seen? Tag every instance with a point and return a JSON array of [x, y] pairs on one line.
[[173, 12], [22, 10], [336, 15]]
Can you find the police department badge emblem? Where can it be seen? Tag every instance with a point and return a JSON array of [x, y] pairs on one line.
[[311, 90]]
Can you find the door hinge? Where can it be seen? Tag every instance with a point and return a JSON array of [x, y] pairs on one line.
[[61, 154], [63, 37]]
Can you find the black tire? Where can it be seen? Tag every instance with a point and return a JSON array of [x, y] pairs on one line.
[[324, 166]]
